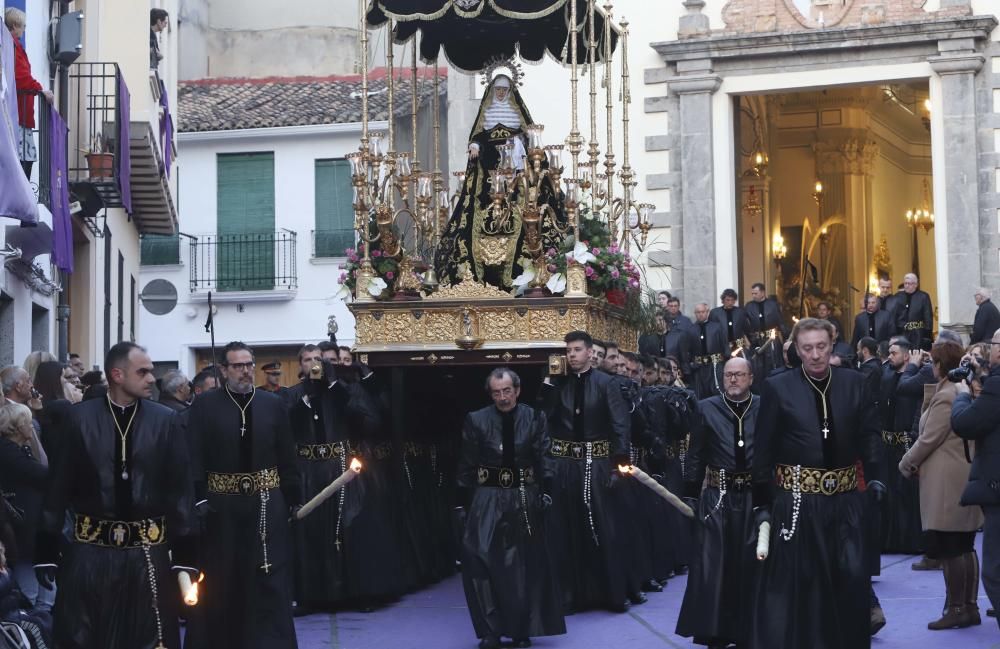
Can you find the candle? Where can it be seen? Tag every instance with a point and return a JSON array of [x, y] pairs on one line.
[[657, 488], [763, 540], [332, 488], [189, 589]]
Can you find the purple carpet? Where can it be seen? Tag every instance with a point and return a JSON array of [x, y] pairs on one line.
[[436, 618]]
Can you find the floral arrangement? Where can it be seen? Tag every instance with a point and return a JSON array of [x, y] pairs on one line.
[[386, 268]]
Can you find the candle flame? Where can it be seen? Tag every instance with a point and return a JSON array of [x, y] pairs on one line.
[[624, 468], [356, 465], [191, 596]]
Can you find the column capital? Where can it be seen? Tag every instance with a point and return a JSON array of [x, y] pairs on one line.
[[850, 156], [957, 63], [694, 84]]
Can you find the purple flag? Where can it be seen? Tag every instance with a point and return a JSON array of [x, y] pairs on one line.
[[62, 228], [124, 158], [166, 130], [17, 200]]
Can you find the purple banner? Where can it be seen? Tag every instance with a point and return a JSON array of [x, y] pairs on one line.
[[62, 228], [17, 200], [124, 157], [166, 130]]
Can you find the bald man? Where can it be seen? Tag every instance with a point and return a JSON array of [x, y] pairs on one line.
[[708, 349], [914, 313]]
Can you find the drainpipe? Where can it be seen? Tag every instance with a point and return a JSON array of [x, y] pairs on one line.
[[62, 309]]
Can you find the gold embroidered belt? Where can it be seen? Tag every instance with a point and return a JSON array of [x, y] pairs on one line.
[[320, 451], [670, 451], [818, 481], [504, 477], [708, 360], [414, 449], [736, 481], [915, 325], [119, 534], [243, 484], [895, 439], [578, 450]]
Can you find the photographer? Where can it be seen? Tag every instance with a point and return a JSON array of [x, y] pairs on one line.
[[978, 419]]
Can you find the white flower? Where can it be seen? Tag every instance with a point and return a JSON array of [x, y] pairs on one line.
[[581, 254], [556, 283], [344, 293], [376, 286]]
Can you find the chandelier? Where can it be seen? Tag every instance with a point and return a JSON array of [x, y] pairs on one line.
[[921, 217]]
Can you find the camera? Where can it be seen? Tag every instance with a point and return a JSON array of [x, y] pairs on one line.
[[961, 373]]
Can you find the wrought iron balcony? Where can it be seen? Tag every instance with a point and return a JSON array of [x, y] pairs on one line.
[[97, 100], [264, 261]]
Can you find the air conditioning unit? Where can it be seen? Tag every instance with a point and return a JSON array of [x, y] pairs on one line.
[[68, 38]]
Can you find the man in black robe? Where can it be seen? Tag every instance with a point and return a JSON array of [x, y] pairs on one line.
[[901, 529], [505, 475], [813, 427], [589, 425], [247, 487], [987, 319], [708, 351], [124, 475], [732, 318], [872, 323], [766, 332], [888, 300], [716, 602], [914, 313]]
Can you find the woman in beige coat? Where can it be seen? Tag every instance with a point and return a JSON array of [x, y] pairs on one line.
[[941, 461]]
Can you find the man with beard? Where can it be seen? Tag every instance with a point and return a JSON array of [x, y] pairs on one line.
[[869, 363], [589, 424], [125, 478], [872, 323], [600, 351], [901, 530], [247, 487], [708, 351], [716, 602], [612, 357], [814, 425], [506, 476], [914, 313]]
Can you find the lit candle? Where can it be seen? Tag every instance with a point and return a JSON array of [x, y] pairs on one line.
[[657, 488], [189, 589], [332, 488]]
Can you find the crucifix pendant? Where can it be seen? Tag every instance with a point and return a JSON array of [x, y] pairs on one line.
[[739, 442], [266, 567], [337, 543], [243, 430], [825, 430]]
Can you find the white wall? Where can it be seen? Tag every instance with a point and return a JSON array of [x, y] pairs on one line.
[[303, 319]]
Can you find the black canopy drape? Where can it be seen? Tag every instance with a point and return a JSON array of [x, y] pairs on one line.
[[473, 32]]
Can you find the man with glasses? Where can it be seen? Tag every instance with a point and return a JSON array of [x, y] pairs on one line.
[[716, 602], [247, 486]]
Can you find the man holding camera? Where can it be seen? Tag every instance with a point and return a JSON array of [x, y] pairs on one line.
[[978, 419], [589, 424]]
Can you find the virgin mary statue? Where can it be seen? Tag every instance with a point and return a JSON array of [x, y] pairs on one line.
[[491, 244]]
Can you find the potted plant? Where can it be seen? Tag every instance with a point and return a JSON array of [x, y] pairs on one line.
[[100, 158]]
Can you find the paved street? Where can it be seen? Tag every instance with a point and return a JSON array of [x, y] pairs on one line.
[[436, 618]]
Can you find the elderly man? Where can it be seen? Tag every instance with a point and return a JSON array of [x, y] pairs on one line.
[[708, 350], [175, 390], [505, 474], [914, 313], [987, 316], [715, 602]]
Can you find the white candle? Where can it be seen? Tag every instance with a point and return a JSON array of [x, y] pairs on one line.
[[189, 589], [763, 541], [659, 489], [332, 488]]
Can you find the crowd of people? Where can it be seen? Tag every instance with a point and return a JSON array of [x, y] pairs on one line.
[[108, 494]]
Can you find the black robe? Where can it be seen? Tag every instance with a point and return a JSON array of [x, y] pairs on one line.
[[901, 530], [878, 325], [346, 549], [589, 559], [762, 317], [716, 601], [242, 605], [915, 318], [706, 339], [104, 599], [508, 578], [734, 322], [814, 590], [986, 322]]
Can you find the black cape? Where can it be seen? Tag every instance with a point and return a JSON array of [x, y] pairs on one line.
[[716, 601], [705, 341], [814, 589], [915, 318], [508, 578], [241, 604], [901, 530], [105, 599]]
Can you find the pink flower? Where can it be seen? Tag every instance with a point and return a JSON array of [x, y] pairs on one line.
[[596, 251], [376, 253], [551, 268], [613, 249], [589, 271], [389, 274], [615, 273], [348, 251], [634, 283], [551, 252], [354, 259]]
